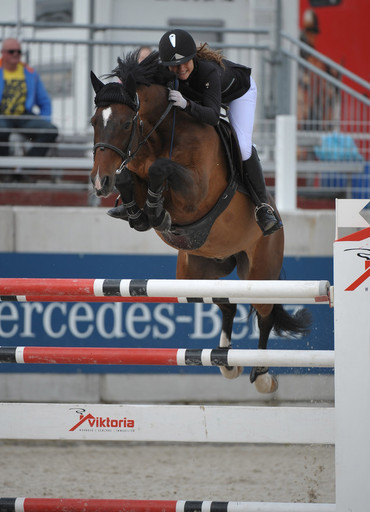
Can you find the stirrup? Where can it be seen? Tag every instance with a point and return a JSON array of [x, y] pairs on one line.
[[267, 219]]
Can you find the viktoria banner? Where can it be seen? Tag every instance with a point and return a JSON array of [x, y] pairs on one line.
[[152, 325]]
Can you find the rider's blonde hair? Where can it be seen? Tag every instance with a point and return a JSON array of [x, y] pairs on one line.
[[204, 52]]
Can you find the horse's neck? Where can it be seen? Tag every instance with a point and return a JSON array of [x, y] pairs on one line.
[[153, 104]]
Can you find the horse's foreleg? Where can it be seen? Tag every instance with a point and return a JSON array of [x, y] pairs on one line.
[[158, 217], [228, 314], [263, 380], [135, 216]]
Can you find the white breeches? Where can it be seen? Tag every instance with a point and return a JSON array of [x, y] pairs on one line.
[[241, 115]]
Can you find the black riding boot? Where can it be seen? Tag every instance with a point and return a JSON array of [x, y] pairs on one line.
[[266, 216]]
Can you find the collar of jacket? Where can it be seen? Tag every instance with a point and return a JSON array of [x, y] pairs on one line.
[[26, 66]]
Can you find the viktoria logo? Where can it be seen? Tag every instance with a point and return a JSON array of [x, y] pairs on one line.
[[88, 420]]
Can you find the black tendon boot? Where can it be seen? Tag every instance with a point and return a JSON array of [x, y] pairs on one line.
[[266, 216]]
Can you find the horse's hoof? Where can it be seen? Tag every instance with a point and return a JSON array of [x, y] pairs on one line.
[[231, 372], [140, 223], [118, 212], [266, 383], [164, 222]]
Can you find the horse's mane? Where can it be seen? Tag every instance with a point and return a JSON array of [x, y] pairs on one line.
[[147, 72]]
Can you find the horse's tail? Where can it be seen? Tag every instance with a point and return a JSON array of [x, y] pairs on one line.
[[285, 324], [298, 324]]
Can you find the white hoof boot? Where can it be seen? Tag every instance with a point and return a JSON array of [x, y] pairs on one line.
[[231, 373], [266, 383]]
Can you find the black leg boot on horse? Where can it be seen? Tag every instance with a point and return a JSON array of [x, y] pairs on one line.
[[129, 210], [153, 215], [254, 181]]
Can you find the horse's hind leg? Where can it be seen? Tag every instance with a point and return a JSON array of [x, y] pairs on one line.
[[260, 376], [264, 382], [228, 314], [197, 267]]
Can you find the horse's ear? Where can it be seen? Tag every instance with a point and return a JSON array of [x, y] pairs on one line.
[[131, 86], [96, 83]]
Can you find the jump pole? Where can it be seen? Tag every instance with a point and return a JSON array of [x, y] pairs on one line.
[[110, 505], [167, 356], [185, 290]]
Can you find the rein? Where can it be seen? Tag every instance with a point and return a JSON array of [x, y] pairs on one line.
[[128, 155]]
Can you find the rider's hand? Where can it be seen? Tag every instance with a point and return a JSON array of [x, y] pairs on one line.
[[177, 98]]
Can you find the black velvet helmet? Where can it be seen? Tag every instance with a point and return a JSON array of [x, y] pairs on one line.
[[176, 47]]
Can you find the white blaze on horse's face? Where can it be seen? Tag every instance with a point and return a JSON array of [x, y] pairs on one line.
[[97, 182], [107, 114]]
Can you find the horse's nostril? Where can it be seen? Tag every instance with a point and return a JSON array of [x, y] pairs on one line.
[[105, 181]]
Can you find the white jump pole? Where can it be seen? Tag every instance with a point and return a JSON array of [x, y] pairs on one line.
[[183, 290], [167, 356], [352, 364], [111, 505]]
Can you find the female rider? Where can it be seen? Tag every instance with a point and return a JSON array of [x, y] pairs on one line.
[[205, 81]]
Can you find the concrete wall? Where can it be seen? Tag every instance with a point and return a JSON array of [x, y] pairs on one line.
[[91, 231]]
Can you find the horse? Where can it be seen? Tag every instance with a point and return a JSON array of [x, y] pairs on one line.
[[173, 176]]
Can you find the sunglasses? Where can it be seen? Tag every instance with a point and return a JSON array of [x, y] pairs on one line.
[[11, 52]]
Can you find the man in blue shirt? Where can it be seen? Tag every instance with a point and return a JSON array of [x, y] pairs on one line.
[[21, 90]]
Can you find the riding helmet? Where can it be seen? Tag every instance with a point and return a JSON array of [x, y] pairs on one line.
[[176, 47]]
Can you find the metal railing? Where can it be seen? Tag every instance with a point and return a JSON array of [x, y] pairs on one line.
[[333, 124], [64, 61], [332, 110]]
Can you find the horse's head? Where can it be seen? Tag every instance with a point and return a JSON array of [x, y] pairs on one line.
[[115, 124]]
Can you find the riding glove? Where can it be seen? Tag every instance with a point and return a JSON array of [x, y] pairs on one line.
[[177, 98]]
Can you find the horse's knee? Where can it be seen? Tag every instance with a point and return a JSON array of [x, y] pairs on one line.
[[158, 172]]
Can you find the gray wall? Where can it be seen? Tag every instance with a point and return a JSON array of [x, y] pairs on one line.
[[91, 231]]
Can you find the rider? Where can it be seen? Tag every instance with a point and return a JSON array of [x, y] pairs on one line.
[[206, 80]]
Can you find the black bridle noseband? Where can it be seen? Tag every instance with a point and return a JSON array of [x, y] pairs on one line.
[[127, 155]]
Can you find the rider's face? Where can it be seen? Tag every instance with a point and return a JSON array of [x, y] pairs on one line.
[[183, 71]]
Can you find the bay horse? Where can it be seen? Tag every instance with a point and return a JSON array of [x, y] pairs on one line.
[[172, 174]]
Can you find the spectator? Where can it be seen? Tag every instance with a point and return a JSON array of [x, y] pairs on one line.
[[21, 90]]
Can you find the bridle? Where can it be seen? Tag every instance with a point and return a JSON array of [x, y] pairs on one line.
[[127, 155]]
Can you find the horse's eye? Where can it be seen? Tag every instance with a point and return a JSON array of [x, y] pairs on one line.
[[126, 125]]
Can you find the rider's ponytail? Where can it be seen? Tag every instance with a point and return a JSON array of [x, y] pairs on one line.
[[204, 52]]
